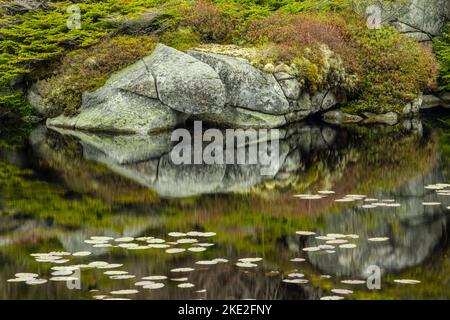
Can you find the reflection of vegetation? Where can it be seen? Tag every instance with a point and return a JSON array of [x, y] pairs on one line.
[[23, 196], [12, 136], [389, 159]]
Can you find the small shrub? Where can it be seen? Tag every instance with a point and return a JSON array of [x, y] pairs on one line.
[[393, 69], [88, 69], [181, 39], [211, 22], [316, 48]]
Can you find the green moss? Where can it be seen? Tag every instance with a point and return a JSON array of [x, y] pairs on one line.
[[182, 39], [88, 69]]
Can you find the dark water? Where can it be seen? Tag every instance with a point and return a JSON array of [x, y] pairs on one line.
[[57, 189]]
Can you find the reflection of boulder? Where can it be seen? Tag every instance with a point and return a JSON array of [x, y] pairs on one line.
[[146, 159]]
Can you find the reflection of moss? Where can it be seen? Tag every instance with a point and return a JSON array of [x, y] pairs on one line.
[[14, 135], [389, 159]]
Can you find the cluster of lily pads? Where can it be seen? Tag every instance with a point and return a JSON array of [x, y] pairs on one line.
[[441, 189], [189, 242], [332, 239], [369, 203]]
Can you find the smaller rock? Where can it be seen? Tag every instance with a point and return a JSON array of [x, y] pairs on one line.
[[390, 118], [431, 101], [338, 117], [35, 99], [417, 103]]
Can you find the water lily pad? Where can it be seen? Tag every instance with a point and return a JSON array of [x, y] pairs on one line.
[[154, 286], [196, 249], [182, 270], [160, 246], [125, 291], [177, 234], [407, 281], [342, 291], [20, 279], [378, 239], [295, 275], [63, 278], [102, 238], [128, 245], [305, 233], [110, 266], [187, 240], [311, 249], [155, 240], [183, 279], [36, 282], [250, 259], [175, 250], [122, 276], [96, 264], [102, 245], [92, 241], [81, 253], [337, 241], [295, 281], [143, 283], [26, 275], [353, 282], [204, 244], [115, 272], [326, 247], [206, 262], [325, 192], [154, 278], [332, 298], [336, 235], [124, 239], [431, 203], [207, 234], [246, 264], [62, 273]]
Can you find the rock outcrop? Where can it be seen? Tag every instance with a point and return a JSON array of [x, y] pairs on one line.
[[163, 89], [420, 19]]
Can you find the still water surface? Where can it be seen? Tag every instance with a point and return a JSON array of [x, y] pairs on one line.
[[59, 189]]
